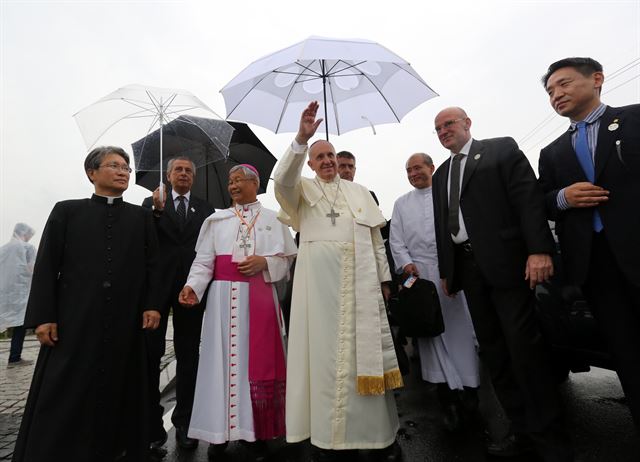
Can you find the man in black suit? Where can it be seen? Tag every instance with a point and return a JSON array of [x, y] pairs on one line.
[[591, 178], [178, 221], [495, 244]]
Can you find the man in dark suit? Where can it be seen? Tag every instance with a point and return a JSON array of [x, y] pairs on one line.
[[495, 244], [591, 178], [178, 221]]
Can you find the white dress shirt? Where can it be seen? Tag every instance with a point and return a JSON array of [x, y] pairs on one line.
[[175, 196]]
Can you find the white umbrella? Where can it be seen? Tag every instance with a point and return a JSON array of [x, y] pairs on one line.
[[358, 83], [134, 111]]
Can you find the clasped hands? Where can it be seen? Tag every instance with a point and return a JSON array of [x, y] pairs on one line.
[[250, 266]]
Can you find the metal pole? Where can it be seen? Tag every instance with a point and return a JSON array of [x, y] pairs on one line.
[[324, 94], [161, 119]]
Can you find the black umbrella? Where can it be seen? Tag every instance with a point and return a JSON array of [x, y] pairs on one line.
[[200, 139], [211, 179]]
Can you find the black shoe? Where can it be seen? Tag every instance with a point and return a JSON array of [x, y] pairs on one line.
[[392, 453], [510, 446], [183, 440], [451, 419], [156, 450], [19, 362], [215, 451], [157, 454], [258, 449], [160, 441], [324, 455]]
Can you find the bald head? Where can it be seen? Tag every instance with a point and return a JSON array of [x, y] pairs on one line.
[[456, 111], [453, 128], [419, 157], [322, 160]]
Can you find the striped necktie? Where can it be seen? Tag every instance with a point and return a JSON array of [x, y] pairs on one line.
[[181, 210]]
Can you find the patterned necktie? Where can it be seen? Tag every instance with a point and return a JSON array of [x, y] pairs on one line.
[[181, 210], [454, 195], [586, 162]]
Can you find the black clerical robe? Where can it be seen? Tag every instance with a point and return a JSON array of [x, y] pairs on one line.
[[94, 276]]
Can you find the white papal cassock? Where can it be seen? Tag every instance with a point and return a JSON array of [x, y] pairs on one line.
[[222, 407], [450, 357], [341, 364]]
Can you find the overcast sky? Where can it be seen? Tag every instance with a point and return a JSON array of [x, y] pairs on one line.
[[486, 56]]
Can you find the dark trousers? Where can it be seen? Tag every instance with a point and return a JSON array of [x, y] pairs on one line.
[[615, 303], [513, 350], [187, 324], [17, 340]]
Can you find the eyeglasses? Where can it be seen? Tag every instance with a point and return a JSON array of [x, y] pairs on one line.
[[117, 167], [239, 181], [447, 124]]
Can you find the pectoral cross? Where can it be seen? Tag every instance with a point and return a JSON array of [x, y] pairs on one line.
[[245, 245], [333, 216]]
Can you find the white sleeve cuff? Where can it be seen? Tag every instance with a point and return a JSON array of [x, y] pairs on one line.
[[298, 148], [561, 201]]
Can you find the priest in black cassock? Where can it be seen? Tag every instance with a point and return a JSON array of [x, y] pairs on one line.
[[92, 295]]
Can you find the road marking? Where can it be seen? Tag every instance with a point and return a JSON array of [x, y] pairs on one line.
[[166, 419]]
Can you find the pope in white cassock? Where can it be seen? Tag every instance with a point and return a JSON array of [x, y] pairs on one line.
[[450, 359], [240, 389], [341, 364]]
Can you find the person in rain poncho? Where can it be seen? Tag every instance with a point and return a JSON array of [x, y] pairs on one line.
[[16, 260]]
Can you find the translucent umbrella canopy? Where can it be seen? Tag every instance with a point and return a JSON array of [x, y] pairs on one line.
[[358, 83], [135, 111]]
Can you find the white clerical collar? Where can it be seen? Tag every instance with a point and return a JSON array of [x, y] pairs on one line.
[[110, 199], [424, 191], [175, 195], [465, 149], [246, 207]]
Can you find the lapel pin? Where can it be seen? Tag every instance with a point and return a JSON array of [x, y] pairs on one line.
[[193, 210], [619, 152], [476, 157], [614, 125]]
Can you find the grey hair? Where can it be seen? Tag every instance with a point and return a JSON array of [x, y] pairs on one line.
[[23, 230], [97, 155], [247, 172], [426, 158], [173, 160]]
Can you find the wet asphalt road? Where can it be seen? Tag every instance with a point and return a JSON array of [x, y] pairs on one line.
[[597, 418]]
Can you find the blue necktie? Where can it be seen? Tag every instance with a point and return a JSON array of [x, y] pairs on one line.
[[586, 161]]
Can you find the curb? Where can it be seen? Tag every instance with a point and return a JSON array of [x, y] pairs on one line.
[[168, 377]]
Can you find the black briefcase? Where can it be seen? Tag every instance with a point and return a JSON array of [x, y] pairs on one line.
[[417, 310]]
